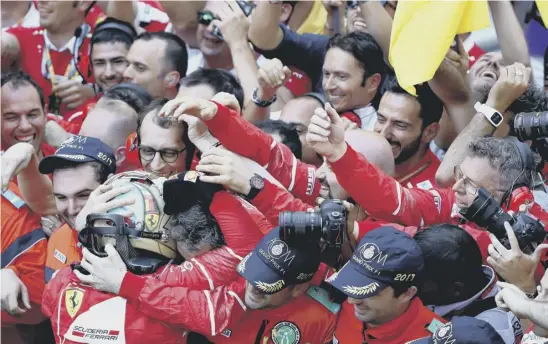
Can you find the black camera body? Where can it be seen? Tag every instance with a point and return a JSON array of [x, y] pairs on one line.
[[487, 213], [324, 228], [246, 6]]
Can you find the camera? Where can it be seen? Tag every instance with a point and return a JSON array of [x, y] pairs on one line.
[[487, 213], [533, 126], [246, 6], [324, 228]]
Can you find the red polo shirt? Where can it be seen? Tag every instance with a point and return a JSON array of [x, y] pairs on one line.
[[32, 43], [413, 324], [424, 175]]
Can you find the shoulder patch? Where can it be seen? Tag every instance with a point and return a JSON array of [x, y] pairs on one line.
[[285, 332], [425, 185], [434, 325], [322, 296], [15, 200]]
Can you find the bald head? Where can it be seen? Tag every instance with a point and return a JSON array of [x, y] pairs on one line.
[[373, 147], [111, 121]]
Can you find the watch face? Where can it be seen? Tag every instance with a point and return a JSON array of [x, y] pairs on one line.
[[496, 118], [257, 182]]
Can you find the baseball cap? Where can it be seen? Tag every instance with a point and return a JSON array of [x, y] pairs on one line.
[[463, 330], [385, 256], [273, 265], [82, 149]]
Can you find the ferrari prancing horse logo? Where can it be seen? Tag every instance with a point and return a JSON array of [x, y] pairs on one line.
[[73, 300]]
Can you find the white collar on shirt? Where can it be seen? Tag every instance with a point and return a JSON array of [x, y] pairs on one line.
[[368, 116], [446, 309], [69, 45]]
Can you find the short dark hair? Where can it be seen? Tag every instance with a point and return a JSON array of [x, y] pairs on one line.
[[431, 105], [365, 50], [195, 228], [288, 133], [153, 108], [451, 256], [504, 155], [102, 171], [19, 79], [220, 80], [176, 55], [125, 33], [132, 94]]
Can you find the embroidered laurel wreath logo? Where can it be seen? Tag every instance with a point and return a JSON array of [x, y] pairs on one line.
[[270, 287], [368, 289], [241, 266]]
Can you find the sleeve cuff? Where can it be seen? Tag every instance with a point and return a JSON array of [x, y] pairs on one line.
[[347, 162], [218, 123], [131, 286], [265, 195]]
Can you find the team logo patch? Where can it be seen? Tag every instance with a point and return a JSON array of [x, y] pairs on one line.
[[73, 300], [369, 252], [59, 256], [425, 185], [152, 221], [227, 333], [444, 333], [285, 332]]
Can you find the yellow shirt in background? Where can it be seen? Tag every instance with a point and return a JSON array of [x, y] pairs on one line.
[[315, 22]]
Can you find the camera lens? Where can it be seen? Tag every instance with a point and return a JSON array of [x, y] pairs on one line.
[[299, 227], [531, 125]]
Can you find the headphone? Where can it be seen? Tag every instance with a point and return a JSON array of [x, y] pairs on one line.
[[350, 115], [520, 194], [107, 25]]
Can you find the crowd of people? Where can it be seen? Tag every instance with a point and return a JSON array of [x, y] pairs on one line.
[[263, 172]]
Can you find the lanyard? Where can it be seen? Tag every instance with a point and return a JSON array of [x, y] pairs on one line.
[[70, 72]]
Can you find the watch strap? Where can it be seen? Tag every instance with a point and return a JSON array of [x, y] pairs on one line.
[[254, 190], [259, 102], [488, 112]]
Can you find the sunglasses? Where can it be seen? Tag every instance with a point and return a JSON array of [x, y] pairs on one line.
[[206, 17]]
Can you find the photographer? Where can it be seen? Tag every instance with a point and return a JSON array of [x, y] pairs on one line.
[[498, 170]]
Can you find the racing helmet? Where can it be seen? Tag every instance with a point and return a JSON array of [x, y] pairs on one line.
[[142, 238]]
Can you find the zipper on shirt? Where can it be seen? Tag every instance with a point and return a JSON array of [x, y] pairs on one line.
[[261, 331]]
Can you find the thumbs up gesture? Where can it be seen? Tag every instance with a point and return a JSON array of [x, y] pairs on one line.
[[326, 133]]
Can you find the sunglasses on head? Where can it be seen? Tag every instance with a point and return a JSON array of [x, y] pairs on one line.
[[206, 17]]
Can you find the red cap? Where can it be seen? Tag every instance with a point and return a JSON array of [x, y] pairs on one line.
[[299, 84]]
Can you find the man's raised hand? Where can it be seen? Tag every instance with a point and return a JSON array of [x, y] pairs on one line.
[[326, 133]]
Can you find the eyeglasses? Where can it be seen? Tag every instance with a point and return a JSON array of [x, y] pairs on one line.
[[206, 17], [469, 185], [168, 155]]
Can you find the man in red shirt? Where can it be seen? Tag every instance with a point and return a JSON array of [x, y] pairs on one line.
[[54, 54], [409, 124], [381, 283], [23, 116]]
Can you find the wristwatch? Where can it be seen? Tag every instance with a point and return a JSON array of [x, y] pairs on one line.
[[493, 116], [261, 103], [257, 185]]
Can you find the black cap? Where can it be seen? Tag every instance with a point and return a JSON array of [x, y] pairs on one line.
[[385, 256], [81, 149], [273, 265]]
